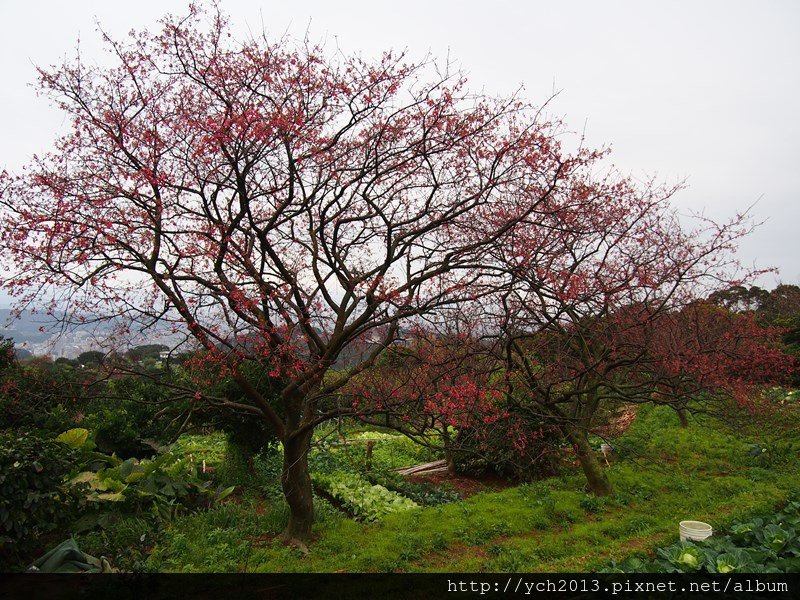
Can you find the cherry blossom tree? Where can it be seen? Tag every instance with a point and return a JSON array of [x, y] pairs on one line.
[[280, 204], [600, 307], [438, 381], [444, 389], [705, 351]]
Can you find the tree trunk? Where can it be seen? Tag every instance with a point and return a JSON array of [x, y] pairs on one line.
[[296, 483], [598, 482], [683, 417], [449, 455], [451, 461], [370, 446]]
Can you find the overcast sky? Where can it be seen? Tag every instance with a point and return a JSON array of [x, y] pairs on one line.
[[703, 91]]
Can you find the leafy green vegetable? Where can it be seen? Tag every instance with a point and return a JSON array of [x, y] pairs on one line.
[[165, 483], [774, 537], [734, 561], [764, 544], [366, 501], [684, 557]]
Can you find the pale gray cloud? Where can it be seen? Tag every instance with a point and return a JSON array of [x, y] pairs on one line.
[[705, 91]]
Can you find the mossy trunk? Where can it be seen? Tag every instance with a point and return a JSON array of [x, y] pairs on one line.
[[296, 484], [595, 475], [683, 417]]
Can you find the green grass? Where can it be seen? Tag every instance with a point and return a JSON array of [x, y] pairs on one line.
[[210, 448], [390, 451], [664, 474], [125, 542]]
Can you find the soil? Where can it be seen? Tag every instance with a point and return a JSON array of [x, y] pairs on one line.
[[463, 484], [618, 423]]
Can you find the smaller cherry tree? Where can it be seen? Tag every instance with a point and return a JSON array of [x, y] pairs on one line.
[[703, 351], [434, 384], [595, 285]]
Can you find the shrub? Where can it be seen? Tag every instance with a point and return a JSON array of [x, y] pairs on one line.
[[124, 417], [29, 393], [125, 541], [118, 427], [518, 446], [33, 500], [164, 483], [244, 466]]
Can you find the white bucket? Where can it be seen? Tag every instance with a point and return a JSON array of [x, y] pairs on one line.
[[694, 530]]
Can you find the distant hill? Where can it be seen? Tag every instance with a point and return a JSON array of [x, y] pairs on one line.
[[40, 334], [22, 353], [26, 329]]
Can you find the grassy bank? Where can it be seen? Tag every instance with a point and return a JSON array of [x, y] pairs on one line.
[[662, 474]]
